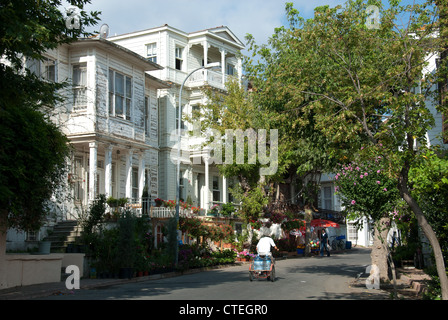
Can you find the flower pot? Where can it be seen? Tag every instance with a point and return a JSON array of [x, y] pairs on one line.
[[44, 247]]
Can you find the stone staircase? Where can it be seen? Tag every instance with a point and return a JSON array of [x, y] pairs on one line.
[[64, 233]]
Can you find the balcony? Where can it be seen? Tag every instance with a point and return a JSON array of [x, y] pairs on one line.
[[210, 77], [198, 79]]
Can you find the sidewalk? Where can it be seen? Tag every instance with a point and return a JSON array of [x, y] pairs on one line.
[[59, 288]]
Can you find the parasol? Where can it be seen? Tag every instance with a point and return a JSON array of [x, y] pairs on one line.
[[324, 223]]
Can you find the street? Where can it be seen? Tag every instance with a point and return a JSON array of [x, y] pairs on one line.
[[316, 278]]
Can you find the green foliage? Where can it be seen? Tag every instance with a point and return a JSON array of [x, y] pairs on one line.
[[429, 179], [227, 209], [33, 151], [126, 241], [252, 203]]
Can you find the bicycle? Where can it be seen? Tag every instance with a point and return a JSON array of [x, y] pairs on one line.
[[338, 242]]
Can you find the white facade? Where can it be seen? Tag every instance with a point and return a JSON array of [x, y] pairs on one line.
[[179, 53], [110, 118]]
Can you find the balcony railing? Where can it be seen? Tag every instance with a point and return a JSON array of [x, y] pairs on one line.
[[141, 206], [212, 78]]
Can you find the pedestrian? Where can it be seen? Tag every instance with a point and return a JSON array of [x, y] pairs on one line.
[[324, 243]]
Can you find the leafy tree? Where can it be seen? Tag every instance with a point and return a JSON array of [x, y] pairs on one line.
[[364, 85], [33, 150]]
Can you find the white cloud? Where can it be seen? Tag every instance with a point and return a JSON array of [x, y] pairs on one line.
[[256, 17]]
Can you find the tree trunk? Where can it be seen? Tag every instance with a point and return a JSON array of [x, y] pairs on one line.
[[379, 253], [427, 230], [3, 230], [308, 218]]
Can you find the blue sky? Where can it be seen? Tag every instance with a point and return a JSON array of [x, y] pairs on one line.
[[257, 17]]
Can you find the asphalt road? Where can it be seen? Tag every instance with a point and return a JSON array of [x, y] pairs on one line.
[[315, 278]]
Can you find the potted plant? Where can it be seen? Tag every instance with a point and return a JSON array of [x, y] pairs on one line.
[[227, 209], [158, 202], [214, 210]]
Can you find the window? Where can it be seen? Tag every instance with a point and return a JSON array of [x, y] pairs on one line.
[[216, 192], [179, 59], [181, 185], [77, 179], [120, 95], [79, 82], [135, 194], [231, 69], [31, 236], [352, 232], [151, 52], [327, 202], [49, 70], [44, 69]]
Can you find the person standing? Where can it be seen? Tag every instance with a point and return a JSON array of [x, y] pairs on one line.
[[324, 243]]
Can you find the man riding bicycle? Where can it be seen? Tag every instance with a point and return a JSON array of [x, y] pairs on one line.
[[264, 246]]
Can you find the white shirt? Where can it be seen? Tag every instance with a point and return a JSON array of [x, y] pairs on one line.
[[264, 245]]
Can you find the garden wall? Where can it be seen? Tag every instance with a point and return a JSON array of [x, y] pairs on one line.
[[28, 269]]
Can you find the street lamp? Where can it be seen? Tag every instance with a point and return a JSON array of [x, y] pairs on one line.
[[207, 66]]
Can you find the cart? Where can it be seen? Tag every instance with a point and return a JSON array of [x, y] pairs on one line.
[[262, 267]]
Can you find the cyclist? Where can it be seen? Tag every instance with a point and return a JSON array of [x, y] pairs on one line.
[[264, 245]]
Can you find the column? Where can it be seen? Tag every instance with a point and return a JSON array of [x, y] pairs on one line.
[[141, 173], [223, 65], [205, 45], [207, 186], [239, 69], [93, 162], [108, 173], [225, 197], [129, 174]]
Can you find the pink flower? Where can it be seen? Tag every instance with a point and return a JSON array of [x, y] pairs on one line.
[[353, 202], [379, 171], [378, 182], [385, 189], [361, 176]]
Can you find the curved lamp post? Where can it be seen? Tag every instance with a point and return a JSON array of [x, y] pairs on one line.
[[208, 66]]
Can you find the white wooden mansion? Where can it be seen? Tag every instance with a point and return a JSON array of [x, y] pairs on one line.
[[180, 53], [121, 109]]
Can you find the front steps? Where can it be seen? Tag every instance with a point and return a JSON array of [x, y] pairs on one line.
[[64, 233]]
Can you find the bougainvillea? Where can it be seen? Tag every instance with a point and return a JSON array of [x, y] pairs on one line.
[[366, 189]]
